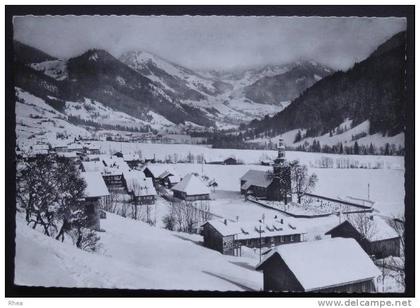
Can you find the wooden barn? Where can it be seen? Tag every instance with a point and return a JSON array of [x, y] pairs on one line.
[[325, 266], [168, 179], [94, 192], [139, 187], [162, 175], [191, 188], [381, 242], [228, 237]]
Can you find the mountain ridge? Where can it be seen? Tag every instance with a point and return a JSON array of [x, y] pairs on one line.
[[372, 89]]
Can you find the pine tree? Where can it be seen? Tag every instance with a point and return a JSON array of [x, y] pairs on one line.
[[356, 148]]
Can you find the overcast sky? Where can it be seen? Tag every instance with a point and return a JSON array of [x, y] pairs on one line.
[[212, 42]]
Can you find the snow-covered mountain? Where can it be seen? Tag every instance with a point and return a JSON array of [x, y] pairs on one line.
[[229, 97], [182, 82], [370, 95], [143, 85]]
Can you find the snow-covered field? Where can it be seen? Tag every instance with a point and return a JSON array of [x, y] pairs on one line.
[[161, 151], [386, 186], [134, 256]]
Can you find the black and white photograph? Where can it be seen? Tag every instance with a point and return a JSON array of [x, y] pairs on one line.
[[248, 154]]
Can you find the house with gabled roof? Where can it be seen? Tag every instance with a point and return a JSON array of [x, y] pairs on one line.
[[191, 188], [95, 191], [381, 242], [139, 187], [325, 266], [229, 237]]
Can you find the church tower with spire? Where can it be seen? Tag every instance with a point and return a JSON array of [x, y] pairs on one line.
[[280, 161], [280, 188]]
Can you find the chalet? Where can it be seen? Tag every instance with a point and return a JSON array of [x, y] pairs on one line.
[[139, 187], [161, 174], [324, 266], [94, 192], [59, 145], [132, 160], [91, 149], [274, 185], [115, 162], [191, 188], [381, 242], [39, 149], [111, 174], [228, 237], [168, 179], [75, 147]]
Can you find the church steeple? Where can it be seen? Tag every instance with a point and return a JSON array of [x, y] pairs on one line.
[[280, 161]]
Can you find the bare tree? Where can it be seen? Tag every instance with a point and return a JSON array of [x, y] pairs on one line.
[[302, 183]]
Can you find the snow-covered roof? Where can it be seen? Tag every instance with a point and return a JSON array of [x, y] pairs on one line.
[[115, 162], [165, 174], [326, 263], [40, 146], [256, 178], [95, 185], [130, 157], [250, 230], [192, 185], [382, 230], [379, 230], [138, 183], [174, 179], [57, 143], [93, 166], [157, 170], [75, 146], [225, 229], [68, 154]]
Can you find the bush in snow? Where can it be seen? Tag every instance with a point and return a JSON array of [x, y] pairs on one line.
[[169, 222]]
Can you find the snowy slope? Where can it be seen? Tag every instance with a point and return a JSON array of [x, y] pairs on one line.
[[38, 121], [348, 137], [221, 96], [134, 256], [153, 67], [91, 110], [56, 69]]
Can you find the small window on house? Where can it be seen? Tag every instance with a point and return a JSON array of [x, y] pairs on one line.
[[292, 238], [282, 239]]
